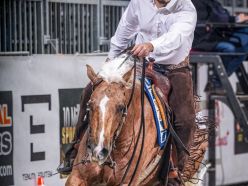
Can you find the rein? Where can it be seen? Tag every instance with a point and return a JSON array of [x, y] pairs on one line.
[[142, 126]]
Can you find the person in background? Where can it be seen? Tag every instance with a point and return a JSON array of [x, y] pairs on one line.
[[220, 39]]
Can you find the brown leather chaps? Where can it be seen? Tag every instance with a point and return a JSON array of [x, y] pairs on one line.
[[181, 101]]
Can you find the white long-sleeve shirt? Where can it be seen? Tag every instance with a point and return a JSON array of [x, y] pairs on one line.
[[170, 29]]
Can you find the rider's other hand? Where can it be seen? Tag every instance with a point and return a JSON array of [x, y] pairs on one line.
[[242, 18], [142, 50]]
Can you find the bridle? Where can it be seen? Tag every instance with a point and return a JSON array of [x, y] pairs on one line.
[[124, 114], [96, 83]]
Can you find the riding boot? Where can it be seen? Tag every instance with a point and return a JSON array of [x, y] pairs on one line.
[[82, 124]]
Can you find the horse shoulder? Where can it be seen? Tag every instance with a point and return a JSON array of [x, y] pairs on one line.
[[75, 180]]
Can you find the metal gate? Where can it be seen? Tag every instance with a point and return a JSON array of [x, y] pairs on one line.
[[66, 26], [235, 6], [58, 26]]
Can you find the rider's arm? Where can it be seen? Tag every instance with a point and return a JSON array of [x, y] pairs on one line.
[[180, 32], [125, 31]]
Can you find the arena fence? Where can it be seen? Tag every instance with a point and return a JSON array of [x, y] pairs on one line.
[[236, 6], [58, 26], [66, 26]]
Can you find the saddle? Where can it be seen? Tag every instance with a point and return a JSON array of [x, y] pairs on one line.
[[161, 82]]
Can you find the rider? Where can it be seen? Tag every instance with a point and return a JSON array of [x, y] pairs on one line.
[[164, 30]]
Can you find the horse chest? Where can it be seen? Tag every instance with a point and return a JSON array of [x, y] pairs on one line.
[[107, 177]]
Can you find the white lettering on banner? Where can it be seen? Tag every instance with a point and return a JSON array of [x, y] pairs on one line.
[[66, 112], [71, 115], [6, 170], [5, 143], [5, 120]]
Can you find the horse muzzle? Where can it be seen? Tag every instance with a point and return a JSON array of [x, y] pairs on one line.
[[98, 153]]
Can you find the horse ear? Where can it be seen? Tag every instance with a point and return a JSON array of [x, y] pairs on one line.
[[127, 75], [91, 74]]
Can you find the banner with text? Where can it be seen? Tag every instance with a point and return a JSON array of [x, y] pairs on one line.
[[6, 138], [39, 106]]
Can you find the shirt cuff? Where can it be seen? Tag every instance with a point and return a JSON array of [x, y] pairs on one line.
[[111, 55], [155, 44]]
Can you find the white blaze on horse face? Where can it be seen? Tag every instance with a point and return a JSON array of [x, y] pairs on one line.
[[103, 104]]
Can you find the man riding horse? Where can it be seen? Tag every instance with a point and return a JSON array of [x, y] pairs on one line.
[[164, 30]]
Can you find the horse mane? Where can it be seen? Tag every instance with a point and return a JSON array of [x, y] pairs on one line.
[[115, 69]]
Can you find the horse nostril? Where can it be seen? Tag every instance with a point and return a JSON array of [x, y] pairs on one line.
[[104, 152]]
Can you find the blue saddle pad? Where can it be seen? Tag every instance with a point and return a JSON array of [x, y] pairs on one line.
[[162, 133]]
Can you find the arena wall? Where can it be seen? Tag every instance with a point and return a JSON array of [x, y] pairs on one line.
[[39, 105]]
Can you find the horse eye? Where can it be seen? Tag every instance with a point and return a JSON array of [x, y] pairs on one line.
[[120, 108]]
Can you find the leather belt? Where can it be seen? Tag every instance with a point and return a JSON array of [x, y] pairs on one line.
[[172, 67]]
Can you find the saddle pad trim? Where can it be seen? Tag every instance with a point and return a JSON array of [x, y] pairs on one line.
[[162, 111]]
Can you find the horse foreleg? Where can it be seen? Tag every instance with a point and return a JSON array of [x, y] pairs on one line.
[[75, 180]]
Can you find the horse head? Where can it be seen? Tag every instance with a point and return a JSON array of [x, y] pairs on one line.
[[107, 106]]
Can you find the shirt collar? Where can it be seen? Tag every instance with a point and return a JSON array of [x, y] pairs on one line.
[[168, 7]]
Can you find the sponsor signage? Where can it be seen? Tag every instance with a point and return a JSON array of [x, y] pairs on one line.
[[45, 91], [6, 138], [39, 107], [68, 114]]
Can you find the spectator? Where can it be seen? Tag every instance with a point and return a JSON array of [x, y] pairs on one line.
[[228, 40]]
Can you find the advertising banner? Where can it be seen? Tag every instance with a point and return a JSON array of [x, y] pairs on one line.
[[68, 116], [6, 138], [39, 106]]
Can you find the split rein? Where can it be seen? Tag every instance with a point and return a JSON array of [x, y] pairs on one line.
[[142, 124]]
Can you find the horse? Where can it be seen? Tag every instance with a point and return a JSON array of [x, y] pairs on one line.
[[108, 144]]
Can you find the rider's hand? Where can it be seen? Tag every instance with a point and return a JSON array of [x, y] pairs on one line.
[[142, 50], [242, 18]]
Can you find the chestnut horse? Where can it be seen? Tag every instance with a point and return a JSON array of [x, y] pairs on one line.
[[108, 144]]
